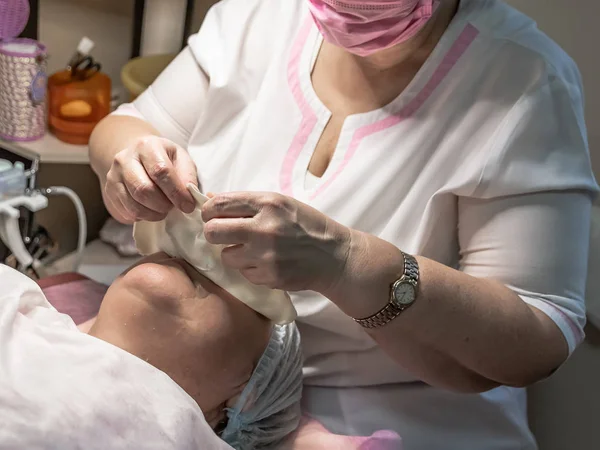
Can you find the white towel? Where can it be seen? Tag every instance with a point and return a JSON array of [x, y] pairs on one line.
[[120, 236], [62, 389]]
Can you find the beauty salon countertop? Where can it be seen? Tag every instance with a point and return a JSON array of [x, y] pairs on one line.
[[49, 149]]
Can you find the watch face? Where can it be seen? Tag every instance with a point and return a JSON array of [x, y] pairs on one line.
[[404, 294]]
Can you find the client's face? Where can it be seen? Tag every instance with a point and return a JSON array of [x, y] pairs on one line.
[[166, 313]]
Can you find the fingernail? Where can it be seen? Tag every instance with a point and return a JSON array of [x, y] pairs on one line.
[[188, 207]]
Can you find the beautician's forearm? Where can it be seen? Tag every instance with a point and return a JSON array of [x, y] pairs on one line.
[[111, 135], [462, 333]]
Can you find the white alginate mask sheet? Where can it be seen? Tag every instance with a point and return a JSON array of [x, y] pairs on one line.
[[182, 236]]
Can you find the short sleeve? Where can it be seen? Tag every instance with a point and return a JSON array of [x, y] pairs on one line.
[[174, 101], [220, 71], [541, 145], [527, 223], [177, 98], [537, 245]]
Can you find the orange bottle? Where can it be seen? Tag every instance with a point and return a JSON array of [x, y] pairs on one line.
[[77, 104]]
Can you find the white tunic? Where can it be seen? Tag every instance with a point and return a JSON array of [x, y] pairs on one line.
[[480, 164]]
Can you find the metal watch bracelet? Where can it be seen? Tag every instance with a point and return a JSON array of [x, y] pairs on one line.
[[392, 310]]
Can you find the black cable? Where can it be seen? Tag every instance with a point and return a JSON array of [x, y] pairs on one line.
[[189, 17], [31, 30], [138, 27]]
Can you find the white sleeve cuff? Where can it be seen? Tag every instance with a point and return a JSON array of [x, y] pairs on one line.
[[129, 110], [567, 321]]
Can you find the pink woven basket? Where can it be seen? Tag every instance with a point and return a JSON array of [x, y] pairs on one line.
[[22, 76], [13, 17]]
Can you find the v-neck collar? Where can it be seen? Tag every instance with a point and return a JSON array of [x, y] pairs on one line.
[[309, 58], [419, 89]]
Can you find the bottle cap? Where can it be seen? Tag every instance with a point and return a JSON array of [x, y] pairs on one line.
[[85, 46], [5, 165]]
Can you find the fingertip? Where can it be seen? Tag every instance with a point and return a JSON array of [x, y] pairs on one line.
[[205, 214], [191, 185], [183, 200], [188, 206]]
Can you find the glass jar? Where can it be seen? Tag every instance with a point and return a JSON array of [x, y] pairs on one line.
[[77, 104]]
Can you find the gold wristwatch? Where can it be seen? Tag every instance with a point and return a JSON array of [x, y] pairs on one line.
[[403, 293]]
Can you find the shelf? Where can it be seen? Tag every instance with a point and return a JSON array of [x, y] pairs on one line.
[[50, 150]]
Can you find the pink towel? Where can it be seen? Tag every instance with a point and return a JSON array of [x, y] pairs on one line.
[[74, 295]]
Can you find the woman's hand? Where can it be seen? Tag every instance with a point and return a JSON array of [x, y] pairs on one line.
[[276, 241], [148, 178]]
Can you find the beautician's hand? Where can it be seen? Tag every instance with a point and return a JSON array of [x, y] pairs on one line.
[[148, 178], [277, 241]]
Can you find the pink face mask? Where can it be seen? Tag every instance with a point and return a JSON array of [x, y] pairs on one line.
[[364, 27]]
